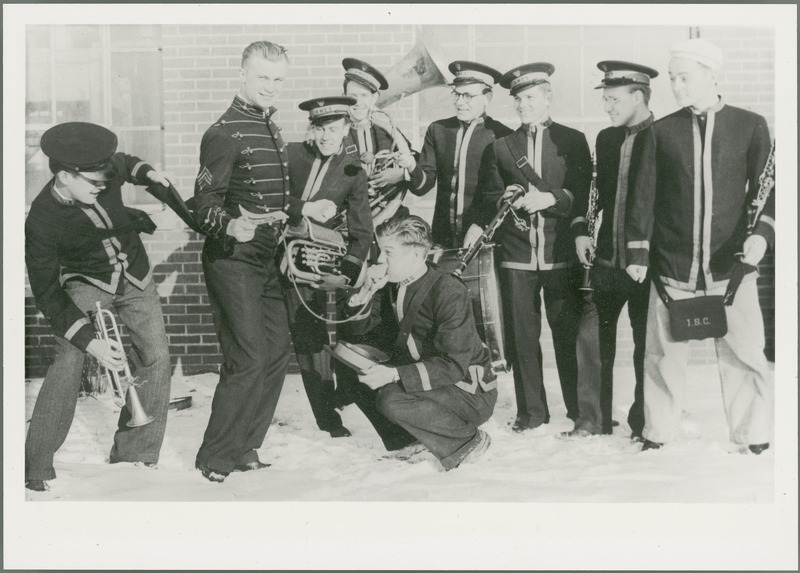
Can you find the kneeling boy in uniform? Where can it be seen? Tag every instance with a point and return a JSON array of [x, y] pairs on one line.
[[438, 384]]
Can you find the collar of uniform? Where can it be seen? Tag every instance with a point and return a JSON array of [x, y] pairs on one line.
[[251, 110], [479, 119], [414, 277], [714, 108], [365, 123], [60, 199], [531, 128], [641, 125]]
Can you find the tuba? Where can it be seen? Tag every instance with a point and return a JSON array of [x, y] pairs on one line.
[[422, 68], [122, 382]]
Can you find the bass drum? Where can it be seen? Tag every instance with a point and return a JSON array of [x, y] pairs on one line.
[[483, 283]]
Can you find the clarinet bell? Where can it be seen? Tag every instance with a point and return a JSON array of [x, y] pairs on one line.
[[586, 283]]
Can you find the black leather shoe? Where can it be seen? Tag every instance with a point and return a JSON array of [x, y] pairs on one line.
[[340, 432], [648, 445], [637, 437], [37, 485], [757, 448], [256, 465], [212, 475]]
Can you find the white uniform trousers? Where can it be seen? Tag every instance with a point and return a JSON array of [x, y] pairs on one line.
[[747, 388]]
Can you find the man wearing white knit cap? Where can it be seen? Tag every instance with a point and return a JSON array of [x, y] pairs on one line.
[[687, 224]]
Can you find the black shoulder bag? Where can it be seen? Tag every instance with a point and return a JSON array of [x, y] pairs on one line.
[[695, 318]]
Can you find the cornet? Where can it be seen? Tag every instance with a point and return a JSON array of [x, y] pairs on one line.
[[121, 377]]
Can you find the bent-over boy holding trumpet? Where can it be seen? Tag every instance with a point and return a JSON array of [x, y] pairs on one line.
[[82, 247]]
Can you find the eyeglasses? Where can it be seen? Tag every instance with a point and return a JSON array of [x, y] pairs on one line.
[[467, 96]]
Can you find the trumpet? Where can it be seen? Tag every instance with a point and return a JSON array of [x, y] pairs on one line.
[[108, 331]]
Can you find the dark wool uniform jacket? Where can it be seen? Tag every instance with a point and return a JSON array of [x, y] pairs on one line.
[[675, 222], [443, 348], [344, 183], [243, 164], [436, 167], [566, 171], [619, 151], [97, 244]]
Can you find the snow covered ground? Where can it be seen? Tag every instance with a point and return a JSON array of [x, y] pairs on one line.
[[697, 503], [309, 465]]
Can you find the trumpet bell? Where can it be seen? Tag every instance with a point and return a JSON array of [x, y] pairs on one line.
[[138, 416]]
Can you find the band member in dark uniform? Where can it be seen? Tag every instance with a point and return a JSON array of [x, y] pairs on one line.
[[241, 192], [438, 386], [552, 163], [326, 179], [451, 155], [374, 135], [82, 247], [687, 223], [619, 153], [370, 128]]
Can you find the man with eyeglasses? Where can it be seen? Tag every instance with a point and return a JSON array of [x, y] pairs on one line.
[[82, 247], [621, 152], [451, 155], [552, 163]]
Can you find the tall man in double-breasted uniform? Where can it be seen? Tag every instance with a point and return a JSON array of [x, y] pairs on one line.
[[241, 191], [620, 151], [452, 151], [552, 163], [687, 222], [326, 180]]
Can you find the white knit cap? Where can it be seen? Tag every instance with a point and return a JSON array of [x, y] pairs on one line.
[[698, 50]]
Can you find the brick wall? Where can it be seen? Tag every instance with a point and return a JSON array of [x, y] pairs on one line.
[[200, 71]]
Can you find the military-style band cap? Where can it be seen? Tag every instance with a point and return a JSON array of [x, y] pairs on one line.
[[473, 73], [363, 73], [699, 50], [618, 73], [327, 107], [83, 147], [527, 75]]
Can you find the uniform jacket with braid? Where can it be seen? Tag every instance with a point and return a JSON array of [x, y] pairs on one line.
[[689, 209], [344, 183], [565, 171], [243, 164], [436, 167], [98, 244]]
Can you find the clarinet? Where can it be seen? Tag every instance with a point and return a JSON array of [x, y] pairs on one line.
[[591, 220], [489, 231], [766, 182]]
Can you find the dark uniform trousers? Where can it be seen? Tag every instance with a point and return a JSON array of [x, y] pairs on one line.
[[250, 316], [597, 344], [309, 335], [522, 303]]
